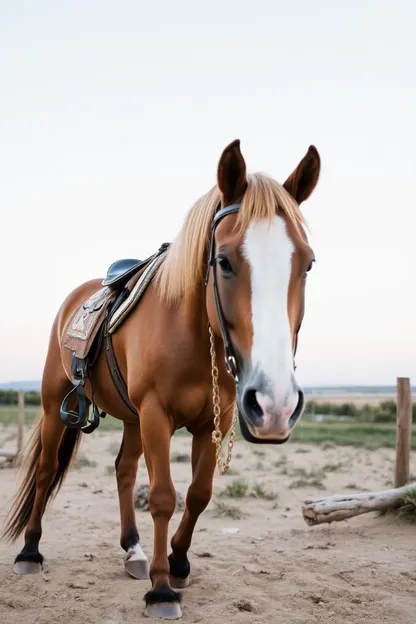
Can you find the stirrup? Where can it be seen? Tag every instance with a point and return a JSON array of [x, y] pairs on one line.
[[80, 419]]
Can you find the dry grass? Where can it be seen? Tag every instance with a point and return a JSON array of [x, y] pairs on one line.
[[83, 462], [282, 461], [180, 458], [332, 467], [307, 478], [228, 511], [259, 491], [236, 489]]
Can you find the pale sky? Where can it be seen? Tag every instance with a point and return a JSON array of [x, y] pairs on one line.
[[113, 116]]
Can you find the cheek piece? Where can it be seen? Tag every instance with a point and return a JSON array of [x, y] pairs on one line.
[[231, 362]]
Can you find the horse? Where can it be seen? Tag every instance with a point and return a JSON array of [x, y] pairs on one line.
[[216, 329]]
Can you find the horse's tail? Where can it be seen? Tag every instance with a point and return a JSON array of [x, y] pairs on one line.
[[22, 507]]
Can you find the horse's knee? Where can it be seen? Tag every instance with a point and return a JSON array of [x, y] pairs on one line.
[[162, 500]]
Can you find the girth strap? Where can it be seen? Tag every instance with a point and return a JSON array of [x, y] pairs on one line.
[[115, 372]]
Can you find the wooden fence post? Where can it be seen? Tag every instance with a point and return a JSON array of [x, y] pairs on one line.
[[20, 426], [403, 432]]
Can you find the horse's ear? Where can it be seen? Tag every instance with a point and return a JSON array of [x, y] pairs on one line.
[[304, 178], [232, 179]]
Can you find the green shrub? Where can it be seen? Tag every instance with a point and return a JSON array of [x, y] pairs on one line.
[[384, 417]]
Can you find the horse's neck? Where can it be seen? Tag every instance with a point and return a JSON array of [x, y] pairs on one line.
[[190, 324]]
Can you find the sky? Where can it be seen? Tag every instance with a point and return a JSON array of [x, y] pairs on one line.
[[113, 116]]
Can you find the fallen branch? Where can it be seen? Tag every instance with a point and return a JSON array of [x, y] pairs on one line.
[[343, 506]]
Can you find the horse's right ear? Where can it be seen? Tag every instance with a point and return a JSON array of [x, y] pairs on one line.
[[232, 178]]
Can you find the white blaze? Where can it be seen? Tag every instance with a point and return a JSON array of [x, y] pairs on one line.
[[268, 250]]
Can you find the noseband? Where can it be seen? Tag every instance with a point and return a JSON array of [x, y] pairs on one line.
[[231, 361]]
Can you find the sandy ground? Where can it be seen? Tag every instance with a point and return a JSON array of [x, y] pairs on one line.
[[271, 567]]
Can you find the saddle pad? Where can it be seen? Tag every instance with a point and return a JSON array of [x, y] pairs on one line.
[[86, 322], [136, 294]]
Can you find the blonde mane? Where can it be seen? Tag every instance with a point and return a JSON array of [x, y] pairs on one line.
[[183, 268]]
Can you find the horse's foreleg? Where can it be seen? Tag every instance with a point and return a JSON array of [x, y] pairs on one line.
[[198, 497], [156, 428], [135, 563]]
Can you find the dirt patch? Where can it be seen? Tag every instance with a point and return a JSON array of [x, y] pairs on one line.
[[261, 565]]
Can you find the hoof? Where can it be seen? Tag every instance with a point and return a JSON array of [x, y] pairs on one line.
[[179, 583], [136, 563], [180, 571], [164, 610], [163, 603], [137, 569], [27, 567]]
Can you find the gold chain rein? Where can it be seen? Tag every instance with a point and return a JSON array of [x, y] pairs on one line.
[[223, 468]]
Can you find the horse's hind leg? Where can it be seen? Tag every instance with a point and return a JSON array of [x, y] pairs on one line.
[[47, 462], [29, 560], [135, 563]]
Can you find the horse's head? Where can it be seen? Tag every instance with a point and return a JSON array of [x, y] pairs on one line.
[[260, 261]]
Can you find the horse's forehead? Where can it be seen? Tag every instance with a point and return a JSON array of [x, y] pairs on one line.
[[279, 232], [268, 240]]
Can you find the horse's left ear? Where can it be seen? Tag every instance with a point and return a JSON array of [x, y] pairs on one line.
[[302, 181]]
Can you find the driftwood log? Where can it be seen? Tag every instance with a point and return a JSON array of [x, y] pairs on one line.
[[343, 506]]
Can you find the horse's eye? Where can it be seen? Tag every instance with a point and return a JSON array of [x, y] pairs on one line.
[[225, 265]]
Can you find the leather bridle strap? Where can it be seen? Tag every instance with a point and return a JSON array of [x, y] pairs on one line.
[[231, 361]]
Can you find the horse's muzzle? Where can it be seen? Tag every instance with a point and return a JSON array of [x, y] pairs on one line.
[[264, 421]]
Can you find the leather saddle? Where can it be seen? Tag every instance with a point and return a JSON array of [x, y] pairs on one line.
[[93, 324], [121, 271]]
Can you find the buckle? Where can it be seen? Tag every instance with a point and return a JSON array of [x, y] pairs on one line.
[[231, 367]]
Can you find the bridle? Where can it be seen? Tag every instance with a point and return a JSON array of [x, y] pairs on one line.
[[231, 361]]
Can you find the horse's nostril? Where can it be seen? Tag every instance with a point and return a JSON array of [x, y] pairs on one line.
[[251, 406], [298, 410]]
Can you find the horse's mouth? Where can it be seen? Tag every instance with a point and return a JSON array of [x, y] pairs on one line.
[[248, 433]]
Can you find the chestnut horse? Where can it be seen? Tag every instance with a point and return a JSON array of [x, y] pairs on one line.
[[232, 285]]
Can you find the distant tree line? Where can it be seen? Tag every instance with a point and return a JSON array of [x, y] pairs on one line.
[[383, 412], [10, 397]]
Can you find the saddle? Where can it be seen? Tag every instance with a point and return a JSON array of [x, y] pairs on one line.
[[93, 324]]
